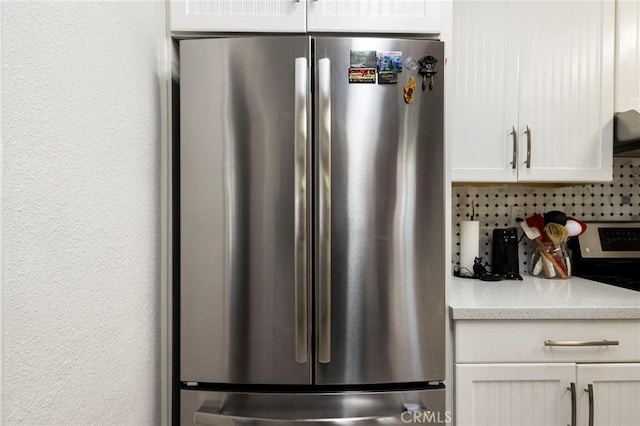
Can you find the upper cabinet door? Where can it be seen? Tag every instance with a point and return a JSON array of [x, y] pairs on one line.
[[366, 16], [536, 75], [375, 16], [566, 85], [238, 15], [627, 56], [483, 92]]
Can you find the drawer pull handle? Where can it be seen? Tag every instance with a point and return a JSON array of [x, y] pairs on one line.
[[581, 343]]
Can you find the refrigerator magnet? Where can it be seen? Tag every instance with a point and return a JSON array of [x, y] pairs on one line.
[[411, 63], [409, 90], [428, 69], [390, 61], [387, 78], [363, 59], [362, 75]]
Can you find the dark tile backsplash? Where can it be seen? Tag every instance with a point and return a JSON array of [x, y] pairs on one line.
[[492, 206]]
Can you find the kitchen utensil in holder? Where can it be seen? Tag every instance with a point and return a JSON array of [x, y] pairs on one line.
[[548, 260]]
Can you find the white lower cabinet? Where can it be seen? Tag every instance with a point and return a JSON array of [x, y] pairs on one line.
[[547, 373], [545, 394], [615, 394], [513, 394]]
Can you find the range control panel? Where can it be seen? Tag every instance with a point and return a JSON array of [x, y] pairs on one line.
[[620, 239], [610, 240]]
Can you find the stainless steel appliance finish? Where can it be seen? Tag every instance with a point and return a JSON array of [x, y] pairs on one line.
[[349, 408], [612, 240], [238, 211], [312, 225], [626, 134], [608, 252], [386, 235]]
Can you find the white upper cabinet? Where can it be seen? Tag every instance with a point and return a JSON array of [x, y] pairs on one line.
[[238, 15], [299, 16], [627, 56], [532, 82], [483, 92], [372, 16], [566, 91]]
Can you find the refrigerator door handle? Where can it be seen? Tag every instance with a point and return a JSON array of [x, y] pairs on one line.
[[324, 296], [206, 418], [300, 201]]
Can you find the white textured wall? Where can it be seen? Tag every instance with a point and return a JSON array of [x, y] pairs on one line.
[[80, 225]]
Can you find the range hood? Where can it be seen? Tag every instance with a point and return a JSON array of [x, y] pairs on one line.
[[626, 134]]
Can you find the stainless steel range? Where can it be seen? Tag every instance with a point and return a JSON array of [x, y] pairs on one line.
[[609, 252]]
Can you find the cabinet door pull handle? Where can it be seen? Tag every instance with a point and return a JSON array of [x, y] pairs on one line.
[[514, 159], [573, 403], [581, 343], [589, 390], [528, 133]]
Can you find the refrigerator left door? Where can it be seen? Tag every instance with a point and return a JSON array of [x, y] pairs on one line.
[[244, 284]]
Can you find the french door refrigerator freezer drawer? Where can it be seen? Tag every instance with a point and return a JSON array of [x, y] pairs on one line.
[[352, 408]]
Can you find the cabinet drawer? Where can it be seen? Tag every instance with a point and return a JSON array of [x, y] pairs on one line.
[[524, 341]]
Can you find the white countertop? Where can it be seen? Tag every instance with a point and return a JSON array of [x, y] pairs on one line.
[[540, 298]]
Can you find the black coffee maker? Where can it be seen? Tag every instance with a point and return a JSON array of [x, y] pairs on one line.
[[504, 255]]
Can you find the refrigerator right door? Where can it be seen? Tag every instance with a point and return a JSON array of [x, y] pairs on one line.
[[380, 311]]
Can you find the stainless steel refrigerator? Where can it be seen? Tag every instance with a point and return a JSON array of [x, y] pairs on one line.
[[311, 231]]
